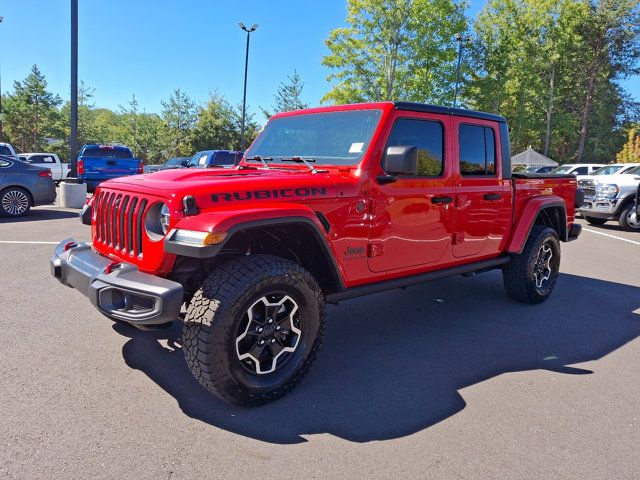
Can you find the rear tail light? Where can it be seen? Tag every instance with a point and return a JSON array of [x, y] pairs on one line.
[[80, 167], [140, 167], [45, 173]]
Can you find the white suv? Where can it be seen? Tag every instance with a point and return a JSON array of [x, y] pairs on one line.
[[7, 149], [613, 198]]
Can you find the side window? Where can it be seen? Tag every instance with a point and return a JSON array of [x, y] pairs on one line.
[[581, 171], [427, 136], [477, 149], [202, 161]]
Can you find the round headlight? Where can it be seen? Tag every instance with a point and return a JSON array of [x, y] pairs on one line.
[[157, 220], [165, 217]]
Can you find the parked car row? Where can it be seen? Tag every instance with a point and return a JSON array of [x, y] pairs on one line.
[[205, 159], [612, 196]]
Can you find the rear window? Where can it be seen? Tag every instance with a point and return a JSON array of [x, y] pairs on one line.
[[107, 152], [477, 150], [4, 150], [223, 158]]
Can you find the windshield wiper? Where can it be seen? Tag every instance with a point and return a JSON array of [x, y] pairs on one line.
[[306, 161], [258, 158]]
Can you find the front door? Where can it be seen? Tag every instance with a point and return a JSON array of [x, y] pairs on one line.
[[483, 199], [412, 217]]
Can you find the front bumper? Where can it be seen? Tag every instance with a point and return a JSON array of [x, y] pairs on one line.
[[600, 207], [118, 290]]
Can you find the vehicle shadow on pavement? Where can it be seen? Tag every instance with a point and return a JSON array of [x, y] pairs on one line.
[[40, 214], [394, 363]]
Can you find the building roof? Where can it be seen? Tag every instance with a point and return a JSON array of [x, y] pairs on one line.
[[531, 158]]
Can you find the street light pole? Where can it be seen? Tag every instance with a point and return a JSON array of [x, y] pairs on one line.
[[73, 140], [460, 39], [1, 135], [244, 94]]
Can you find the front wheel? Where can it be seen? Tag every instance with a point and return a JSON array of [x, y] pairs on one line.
[[253, 329], [629, 220], [531, 275]]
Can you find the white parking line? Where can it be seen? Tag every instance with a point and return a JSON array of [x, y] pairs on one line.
[[20, 242], [612, 236]]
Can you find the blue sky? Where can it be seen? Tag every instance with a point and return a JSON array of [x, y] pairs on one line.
[[150, 47]]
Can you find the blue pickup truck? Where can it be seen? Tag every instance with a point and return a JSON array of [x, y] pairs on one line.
[[97, 163]]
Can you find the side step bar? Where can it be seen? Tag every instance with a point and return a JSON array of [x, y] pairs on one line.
[[368, 289]]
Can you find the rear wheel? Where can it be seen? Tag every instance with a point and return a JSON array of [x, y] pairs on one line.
[[253, 329], [628, 219], [531, 275], [595, 220], [14, 202]]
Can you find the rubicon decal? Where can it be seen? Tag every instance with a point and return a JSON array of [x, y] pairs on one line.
[[269, 194]]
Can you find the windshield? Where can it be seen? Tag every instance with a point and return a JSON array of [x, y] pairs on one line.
[[608, 170], [564, 169], [106, 152], [330, 138]]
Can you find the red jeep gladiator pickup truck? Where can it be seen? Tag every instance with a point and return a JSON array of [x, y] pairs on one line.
[[327, 204]]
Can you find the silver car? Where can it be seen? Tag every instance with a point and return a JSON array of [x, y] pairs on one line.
[[23, 186]]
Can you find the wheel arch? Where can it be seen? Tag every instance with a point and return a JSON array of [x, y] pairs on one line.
[[629, 198], [299, 238], [545, 211]]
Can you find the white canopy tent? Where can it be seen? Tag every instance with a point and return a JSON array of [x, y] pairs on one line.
[[531, 158]]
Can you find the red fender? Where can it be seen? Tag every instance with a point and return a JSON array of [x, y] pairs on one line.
[[524, 223]]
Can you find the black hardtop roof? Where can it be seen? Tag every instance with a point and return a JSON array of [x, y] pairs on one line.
[[461, 112]]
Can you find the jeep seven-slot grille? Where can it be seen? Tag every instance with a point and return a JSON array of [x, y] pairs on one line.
[[119, 220]]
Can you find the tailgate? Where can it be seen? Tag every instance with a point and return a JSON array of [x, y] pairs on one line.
[[96, 167]]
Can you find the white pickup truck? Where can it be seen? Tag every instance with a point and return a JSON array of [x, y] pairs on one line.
[[613, 197], [59, 170]]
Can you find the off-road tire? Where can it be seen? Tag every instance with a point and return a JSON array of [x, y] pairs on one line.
[[595, 220], [215, 313], [519, 274], [16, 192], [623, 220]]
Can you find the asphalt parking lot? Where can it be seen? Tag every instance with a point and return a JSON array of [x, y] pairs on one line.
[[445, 380]]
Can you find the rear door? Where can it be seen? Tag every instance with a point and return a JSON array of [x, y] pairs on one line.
[[482, 198], [412, 216]]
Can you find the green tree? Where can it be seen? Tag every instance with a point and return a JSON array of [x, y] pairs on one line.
[[31, 112], [395, 50], [179, 114], [215, 127], [612, 40], [630, 152], [529, 63], [288, 96]]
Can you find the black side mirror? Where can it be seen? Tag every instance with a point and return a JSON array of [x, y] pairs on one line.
[[400, 161], [185, 163]]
